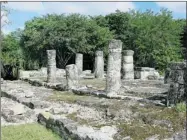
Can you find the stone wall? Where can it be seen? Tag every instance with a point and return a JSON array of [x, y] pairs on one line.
[[174, 76], [146, 73]]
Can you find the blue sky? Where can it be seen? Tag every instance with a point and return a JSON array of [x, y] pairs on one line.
[[24, 11]]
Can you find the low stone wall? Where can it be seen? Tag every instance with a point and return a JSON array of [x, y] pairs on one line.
[[68, 129], [40, 73], [146, 73]]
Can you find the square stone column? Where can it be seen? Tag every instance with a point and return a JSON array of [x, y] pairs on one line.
[[51, 66], [79, 62], [113, 81], [99, 65], [128, 66], [72, 76]]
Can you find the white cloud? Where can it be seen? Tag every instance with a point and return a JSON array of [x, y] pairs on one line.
[[178, 7], [88, 8], [63, 7], [26, 6], [109, 7]]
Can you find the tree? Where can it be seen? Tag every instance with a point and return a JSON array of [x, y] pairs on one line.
[[66, 34], [11, 53], [154, 37]]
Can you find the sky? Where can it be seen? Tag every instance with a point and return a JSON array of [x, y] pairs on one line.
[[20, 12]]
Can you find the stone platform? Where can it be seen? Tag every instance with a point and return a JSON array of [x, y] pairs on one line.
[[89, 117]]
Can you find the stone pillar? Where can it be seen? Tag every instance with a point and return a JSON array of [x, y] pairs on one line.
[[99, 65], [79, 62], [175, 78], [127, 65], [113, 81], [51, 66], [72, 76]]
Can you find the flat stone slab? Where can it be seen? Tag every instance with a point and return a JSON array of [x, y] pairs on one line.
[[60, 124], [26, 94], [16, 113], [82, 117]]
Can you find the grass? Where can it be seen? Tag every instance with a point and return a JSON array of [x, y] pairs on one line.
[[139, 131], [181, 107], [28, 132], [66, 96], [143, 127], [73, 116], [97, 83]]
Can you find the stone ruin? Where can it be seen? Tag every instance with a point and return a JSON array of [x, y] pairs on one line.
[[146, 73], [99, 65], [126, 86], [113, 80], [51, 66], [128, 65], [175, 77], [72, 76], [79, 62], [120, 68]]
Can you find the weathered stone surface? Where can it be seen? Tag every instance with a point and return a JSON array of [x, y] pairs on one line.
[[51, 66], [177, 65], [72, 76], [29, 94], [127, 65], [113, 82], [99, 65], [155, 137], [24, 74], [76, 131], [146, 73], [14, 112], [43, 71], [79, 62], [85, 72], [60, 72], [2, 80], [175, 77], [85, 117]]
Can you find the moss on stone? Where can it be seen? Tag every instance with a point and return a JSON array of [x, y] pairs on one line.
[[47, 115], [66, 96], [139, 131]]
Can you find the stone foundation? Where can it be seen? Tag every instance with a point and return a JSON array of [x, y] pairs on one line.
[[146, 73]]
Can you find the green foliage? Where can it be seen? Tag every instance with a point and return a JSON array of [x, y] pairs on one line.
[[181, 107], [28, 132], [66, 34], [156, 38], [11, 51]]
